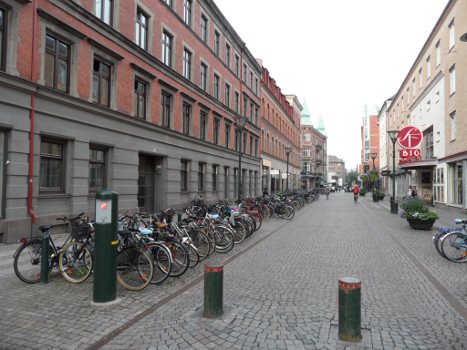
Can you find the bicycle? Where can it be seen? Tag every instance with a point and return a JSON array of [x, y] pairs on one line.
[[453, 244], [73, 259]]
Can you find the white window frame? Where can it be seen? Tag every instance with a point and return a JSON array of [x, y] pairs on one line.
[[438, 53], [452, 116], [452, 79], [452, 34]]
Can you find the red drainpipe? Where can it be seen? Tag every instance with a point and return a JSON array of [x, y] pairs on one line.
[[32, 115]]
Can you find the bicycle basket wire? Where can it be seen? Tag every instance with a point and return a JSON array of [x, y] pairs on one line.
[[79, 229]]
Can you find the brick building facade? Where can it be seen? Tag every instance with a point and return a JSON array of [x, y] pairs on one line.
[[142, 97]]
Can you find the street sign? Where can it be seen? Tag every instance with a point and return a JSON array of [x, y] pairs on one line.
[[409, 153], [410, 137]]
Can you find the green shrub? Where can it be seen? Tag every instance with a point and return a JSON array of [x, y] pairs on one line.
[[415, 208]]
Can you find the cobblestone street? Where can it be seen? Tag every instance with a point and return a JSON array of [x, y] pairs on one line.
[[280, 292]]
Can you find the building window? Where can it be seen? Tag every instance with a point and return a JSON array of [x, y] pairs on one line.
[[452, 35], [256, 147], [216, 86], [215, 169], [52, 166], [186, 118], [57, 63], [458, 188], [201, 177], [237, 65], [237, 102], [256, 115], [167, 48], [244, 73], [453, 125], [237, 133], [438, 53], [184, 175], [226, 182], [203, 123], [235, 179], [251, 80], [428, 140], [187, 8], [204, 29], [439, 185], [227, 135], [452, 79], [187, 64], [227, 55], [3, 35], [306, 137], [252, 109], [217, 42], [256, 86], [104, 11], [168, 2], [227, 95], [166, 109], [244, 143], [96, 169], [101, 82], [428, 67], [245, 105], [420, 78], [251, 145], [413, 87], [215, 132], [141, 88], [141, 29], [204, 76]]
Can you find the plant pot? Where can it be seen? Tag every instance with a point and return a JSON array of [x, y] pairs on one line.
[[421, 224], [375, 198]]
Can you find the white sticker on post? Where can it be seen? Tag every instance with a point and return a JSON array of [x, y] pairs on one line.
[[103, 211]]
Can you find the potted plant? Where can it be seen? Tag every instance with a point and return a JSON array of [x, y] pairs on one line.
[[417, 214]]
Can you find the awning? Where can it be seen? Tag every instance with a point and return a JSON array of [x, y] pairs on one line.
[[427, 163]]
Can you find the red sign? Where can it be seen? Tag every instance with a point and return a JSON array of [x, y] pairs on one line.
[[104, 205], [409, 153], [410, 137]]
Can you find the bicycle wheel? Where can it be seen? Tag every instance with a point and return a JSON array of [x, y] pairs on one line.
[[286, 212], [161, 257], [201, 242], [27, 261], [454, 246], [193, 254], [180, 258], [437, 237], [75, 262], [224, 237], [134, 268], [240, 231]]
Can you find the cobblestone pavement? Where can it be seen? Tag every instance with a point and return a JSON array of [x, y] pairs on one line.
[[280, 293]]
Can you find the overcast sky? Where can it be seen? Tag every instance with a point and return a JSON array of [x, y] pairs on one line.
[[339, 55]]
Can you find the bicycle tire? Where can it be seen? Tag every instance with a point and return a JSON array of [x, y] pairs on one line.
[[224, 237], [180, 258], [286, 213], [201, 242], [27, 261], [75, 262], [134, 268], [193, 255], [454, 246], [161, 257], [240, 231]]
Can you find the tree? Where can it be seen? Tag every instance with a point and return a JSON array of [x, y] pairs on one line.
[[352, 176]]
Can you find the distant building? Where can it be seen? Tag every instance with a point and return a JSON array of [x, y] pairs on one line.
[[314, 152], [336, 171]]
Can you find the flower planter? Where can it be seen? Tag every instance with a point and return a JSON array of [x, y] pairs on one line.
[[421, 224]]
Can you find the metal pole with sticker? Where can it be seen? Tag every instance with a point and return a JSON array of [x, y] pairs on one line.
[[105, 247]]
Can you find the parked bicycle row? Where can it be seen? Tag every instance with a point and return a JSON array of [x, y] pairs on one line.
[[154, 246]]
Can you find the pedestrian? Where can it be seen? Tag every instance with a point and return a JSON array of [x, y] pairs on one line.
[[409, 192], [414, 192]]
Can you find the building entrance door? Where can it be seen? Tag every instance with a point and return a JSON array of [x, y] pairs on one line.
[[146, 175]]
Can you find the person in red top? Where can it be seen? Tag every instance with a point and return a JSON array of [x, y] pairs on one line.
[[356, 191]]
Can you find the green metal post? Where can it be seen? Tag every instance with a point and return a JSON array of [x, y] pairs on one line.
[[105, 247], [350, 309], [45, 258], [213, 290]]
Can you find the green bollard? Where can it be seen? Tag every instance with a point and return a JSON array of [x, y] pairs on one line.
[[350, 309], [105, 247], [213, 290], [45, 258]]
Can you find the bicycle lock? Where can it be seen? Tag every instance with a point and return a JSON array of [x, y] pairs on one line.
[[105, 249]]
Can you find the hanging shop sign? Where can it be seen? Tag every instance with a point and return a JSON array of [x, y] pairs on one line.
[[410, 137]]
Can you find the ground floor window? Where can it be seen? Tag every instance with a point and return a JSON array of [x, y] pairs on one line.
[[96, 169], [52, 166], [457, 183], [438, 185], [184, 175], [2, 170], [226, 182]]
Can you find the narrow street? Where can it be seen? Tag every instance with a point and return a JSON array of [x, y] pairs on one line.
[[280, 292]]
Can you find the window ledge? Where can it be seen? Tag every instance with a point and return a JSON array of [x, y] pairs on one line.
[[53, 195]]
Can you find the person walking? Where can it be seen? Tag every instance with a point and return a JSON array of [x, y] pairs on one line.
[[409, 192], [414, 191]]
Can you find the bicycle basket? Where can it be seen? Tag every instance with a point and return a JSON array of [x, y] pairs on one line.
[[80, 230]]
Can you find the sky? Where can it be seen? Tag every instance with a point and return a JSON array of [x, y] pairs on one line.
[[338, 55]]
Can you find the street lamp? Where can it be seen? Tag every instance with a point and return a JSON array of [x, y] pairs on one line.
[[393, 134], [241, 122], [287, 150], [373, 157]]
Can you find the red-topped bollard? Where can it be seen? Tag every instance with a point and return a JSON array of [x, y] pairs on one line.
[[213, 289], [350, 309]]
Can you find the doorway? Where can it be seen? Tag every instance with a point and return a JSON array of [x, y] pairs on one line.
[[151, 179]]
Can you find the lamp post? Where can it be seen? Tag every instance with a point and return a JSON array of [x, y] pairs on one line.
[[393, 136], [373, 157], [241, 122], [287, 150]]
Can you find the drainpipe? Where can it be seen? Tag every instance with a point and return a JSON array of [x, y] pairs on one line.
[[31, 116]]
